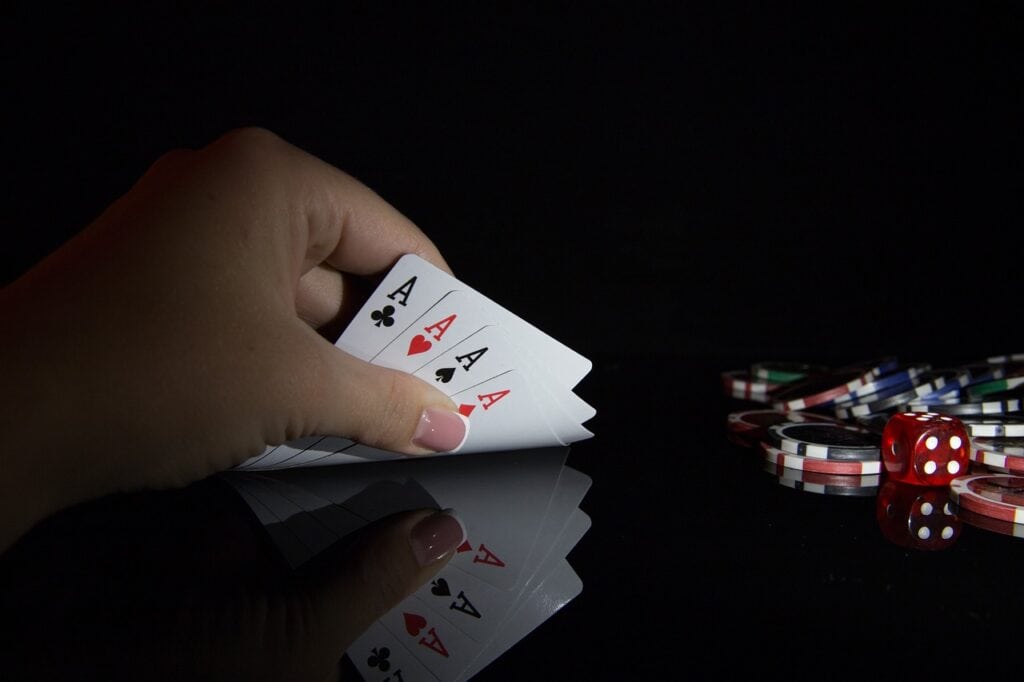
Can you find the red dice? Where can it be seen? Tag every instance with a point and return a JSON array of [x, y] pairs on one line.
[[917, 517], [925, 448]]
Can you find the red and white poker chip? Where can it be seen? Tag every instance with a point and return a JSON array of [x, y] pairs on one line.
[[739, 383], [823, 466], [988, 523], [997, 496], [1003, 453], [825, 484], [819, 389]]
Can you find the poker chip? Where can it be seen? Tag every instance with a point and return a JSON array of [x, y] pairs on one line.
[[997, 496], [988, 523], [825, 484], [827, 441], [992, 427], [740, 384], [817, 390], [1006, 454], [823, 466], [1008, 383], [749, 420], [784, 372], [957, 409], [1005, 359], [874, 368], [903, 376]]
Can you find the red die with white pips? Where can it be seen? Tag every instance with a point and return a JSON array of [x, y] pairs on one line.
[[925, 448]]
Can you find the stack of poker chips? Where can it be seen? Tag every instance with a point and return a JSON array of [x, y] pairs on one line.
[[819, 428]]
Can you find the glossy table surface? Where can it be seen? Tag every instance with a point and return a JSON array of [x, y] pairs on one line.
[[697, 556]]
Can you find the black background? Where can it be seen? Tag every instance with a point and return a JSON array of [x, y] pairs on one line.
[[672, 190]]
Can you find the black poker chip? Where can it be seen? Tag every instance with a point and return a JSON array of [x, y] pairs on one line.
[[827, 441]]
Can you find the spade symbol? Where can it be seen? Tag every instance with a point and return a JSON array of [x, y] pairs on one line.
[[444, 375], [440, 588]]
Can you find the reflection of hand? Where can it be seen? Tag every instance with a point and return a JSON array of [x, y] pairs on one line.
[[175, 336], [180, 585]]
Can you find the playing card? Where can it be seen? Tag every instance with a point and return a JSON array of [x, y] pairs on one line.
[[502, 499], [413, 285], [380, 657], [559, 588]]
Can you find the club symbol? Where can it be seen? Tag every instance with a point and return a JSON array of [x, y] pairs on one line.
[[383, 316], [379, 659]]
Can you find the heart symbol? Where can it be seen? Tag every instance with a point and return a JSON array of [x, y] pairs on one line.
[[414, 623], [444, 375], [419, 344], [440, 588], [465, 409], [464, 547]]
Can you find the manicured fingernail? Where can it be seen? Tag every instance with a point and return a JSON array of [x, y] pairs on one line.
[[435, 536], [440, 430]]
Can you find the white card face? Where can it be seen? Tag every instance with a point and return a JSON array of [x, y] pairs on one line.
[[380, 657], [432, 639], [502, 499], [450, 320], [368, 332], [405, 293], [505, 413]]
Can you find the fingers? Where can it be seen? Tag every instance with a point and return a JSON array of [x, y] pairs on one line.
[[338, 394], [334, 218], [388, 561]]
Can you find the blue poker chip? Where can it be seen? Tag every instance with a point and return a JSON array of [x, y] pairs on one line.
[[903, 376]]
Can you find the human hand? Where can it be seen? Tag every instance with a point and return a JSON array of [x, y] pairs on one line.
[[176, 335]]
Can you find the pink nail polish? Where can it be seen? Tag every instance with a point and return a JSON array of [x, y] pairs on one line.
[[435, 536], [440, 430]]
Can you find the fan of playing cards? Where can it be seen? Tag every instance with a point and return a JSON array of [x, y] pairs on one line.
[[512, 381], [515, 496]]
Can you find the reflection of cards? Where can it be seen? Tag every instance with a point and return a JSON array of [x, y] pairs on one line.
[[513, 382], [522, 517]]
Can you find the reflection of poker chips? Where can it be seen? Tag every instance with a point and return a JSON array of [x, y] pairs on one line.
[[993, 427], [825, 484], [997, 496], [988, 523], [957, 409], [784, 372], [817, 390], [740, 384], [823, 466], [827, 441], [1004, 453]]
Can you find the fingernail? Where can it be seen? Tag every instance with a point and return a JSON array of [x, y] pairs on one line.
[[436, 536], [440, 430]]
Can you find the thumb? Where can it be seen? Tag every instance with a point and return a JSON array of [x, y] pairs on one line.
[[355, 584], [376, 406]]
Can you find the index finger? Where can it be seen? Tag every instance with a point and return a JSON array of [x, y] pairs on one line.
[[333, 217]]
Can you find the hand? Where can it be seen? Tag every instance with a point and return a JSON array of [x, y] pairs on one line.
[[176, 336]]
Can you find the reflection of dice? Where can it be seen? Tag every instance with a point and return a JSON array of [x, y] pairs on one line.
[[925, 448], [912, 516]]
